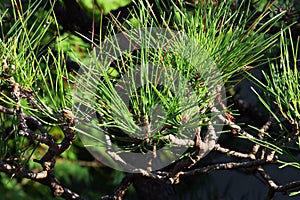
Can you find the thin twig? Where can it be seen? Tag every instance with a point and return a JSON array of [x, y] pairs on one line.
[[224, 166], [231, 152]]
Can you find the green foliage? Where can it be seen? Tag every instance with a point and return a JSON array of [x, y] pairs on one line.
[[104, 4], [70, 171], [35, 59], [229, 37], [34, 52], [282, 86], [281, 99], [32, 63]]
